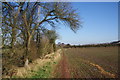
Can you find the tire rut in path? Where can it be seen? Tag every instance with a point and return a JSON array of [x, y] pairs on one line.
[[62, 68]]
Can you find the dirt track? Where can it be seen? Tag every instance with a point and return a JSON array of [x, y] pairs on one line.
[[62, 69]]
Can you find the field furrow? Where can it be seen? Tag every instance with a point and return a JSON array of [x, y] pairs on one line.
[[89, 63]]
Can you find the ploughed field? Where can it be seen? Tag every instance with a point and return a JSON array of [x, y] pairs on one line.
[[91, 62]]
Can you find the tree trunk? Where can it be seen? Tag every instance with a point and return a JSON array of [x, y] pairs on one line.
[[13, 36], [26, 62], [54, 46], [27, 49], [13, 40], [38, 42]]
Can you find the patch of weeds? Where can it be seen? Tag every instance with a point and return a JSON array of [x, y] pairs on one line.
[[14, 77], [44, 72], [54, 62]]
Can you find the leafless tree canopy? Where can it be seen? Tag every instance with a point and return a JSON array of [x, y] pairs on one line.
[[23, 24]]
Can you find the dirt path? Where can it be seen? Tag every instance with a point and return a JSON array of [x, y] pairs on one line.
[[62, 70]]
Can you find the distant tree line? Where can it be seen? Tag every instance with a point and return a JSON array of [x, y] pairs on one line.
[[92, 45]]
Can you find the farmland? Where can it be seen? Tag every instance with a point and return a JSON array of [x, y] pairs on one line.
[[32, 46], [91, 62]]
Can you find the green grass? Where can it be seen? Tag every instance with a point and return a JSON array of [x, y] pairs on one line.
[[45, 71]]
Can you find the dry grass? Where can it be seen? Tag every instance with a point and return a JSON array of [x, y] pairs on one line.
[[36, 65]]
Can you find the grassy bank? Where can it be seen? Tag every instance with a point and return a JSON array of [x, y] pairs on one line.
[[45, 71], [40, 68]]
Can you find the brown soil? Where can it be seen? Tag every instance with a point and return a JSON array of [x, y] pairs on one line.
[[65, 70], [62, 70]]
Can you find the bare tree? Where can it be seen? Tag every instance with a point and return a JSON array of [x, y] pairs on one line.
[[26, 14], [10, 16]]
